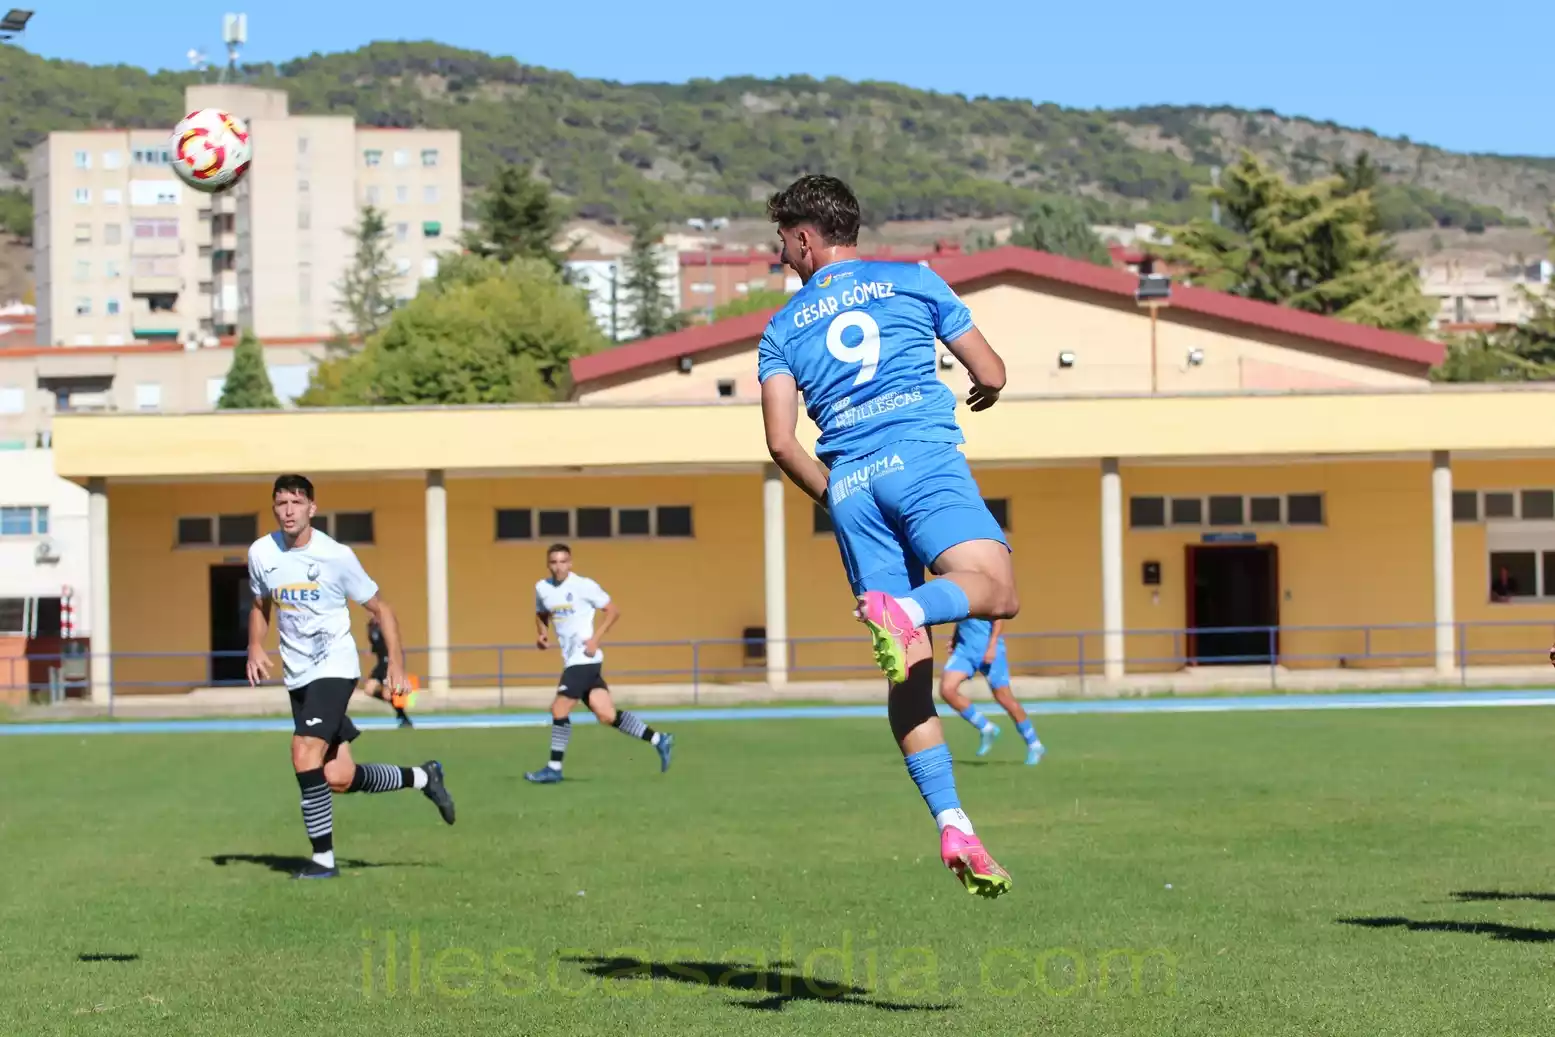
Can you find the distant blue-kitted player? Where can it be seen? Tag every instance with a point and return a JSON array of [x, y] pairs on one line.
[[858, 341], [979, 648]]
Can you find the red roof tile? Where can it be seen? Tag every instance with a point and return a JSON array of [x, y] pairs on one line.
[[962, 270]]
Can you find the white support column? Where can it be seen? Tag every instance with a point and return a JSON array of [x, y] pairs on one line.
[[1441, 561], [1111, 568], [775, 557], [97, 569], [437, 583]]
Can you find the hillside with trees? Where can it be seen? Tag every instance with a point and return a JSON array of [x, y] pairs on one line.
[[668, 151]]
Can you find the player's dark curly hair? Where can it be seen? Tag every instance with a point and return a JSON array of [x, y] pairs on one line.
[[824, 202]]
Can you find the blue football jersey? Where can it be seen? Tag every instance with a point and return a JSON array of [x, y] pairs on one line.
[[972, 636], [858, 340]]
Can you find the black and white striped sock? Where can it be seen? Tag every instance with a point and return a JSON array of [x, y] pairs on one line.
[[629, 723], [561, 733], [385, 777], [318, 815]]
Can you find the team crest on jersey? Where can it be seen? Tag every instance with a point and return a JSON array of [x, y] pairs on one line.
[[313, 570], [569, 595]]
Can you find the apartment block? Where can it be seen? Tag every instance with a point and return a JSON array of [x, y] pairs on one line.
[[126, 253]]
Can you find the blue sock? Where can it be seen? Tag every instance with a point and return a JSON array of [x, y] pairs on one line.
[[971, 715], [1027, 732], [942, 602], [930, 770]]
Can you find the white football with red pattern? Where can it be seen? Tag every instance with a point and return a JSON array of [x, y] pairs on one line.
[[211, 150]]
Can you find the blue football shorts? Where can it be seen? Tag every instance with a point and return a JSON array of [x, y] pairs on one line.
[[896, 511], [968, 659]]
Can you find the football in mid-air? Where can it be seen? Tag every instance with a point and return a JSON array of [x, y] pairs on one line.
[[211, 150]]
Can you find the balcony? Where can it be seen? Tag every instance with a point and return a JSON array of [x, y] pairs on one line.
[[156, 247], [156, 284]]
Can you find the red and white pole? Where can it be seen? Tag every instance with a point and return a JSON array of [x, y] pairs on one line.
[[67, 623]]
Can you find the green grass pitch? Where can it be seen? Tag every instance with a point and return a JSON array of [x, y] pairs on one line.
[[1360, 872]]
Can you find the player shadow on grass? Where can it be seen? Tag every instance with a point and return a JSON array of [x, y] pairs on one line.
[[107, 957], [1494, 930], [290, 865], [782, 987], [1477, 895]]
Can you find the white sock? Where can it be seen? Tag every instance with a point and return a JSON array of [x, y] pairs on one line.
[[325, 859], [655, 739], [955, 818], [419, 776], [913, 609], [554, 765]]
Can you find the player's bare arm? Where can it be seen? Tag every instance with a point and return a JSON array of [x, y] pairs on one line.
[[258, 626], [993, 641], [985, 367], [542, 630], [608, 616], [389, 624], [780, 415]]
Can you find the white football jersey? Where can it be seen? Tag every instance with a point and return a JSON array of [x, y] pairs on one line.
[[310, 589], [571, 605]]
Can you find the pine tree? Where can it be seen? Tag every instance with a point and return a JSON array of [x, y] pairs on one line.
[[248, 383], [1059, 226], [367, 288], [1311, 247], [517, 217], [649, 309]]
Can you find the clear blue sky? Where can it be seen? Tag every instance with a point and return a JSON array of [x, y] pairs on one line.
[[1474, 78]]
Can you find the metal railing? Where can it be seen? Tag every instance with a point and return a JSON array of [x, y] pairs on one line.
[[719, 661]]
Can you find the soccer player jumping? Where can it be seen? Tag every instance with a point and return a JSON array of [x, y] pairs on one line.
[[858, 341], [306, 578]]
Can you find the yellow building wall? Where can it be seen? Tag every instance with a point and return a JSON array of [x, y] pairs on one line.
[[1369, 564], [1030, 322], [160, 593]]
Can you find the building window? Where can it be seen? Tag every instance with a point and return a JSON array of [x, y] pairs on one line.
[[111, 159], [83, 233], [1187, 511], [302, 145], [820, 520], [1225, 511], [1304, 509], [431, 229], [1500, 505], [1465, 505], [83, 307], [237, 530], [999, 508], [372, 157], [304, 219], [726, 387], [428, 157], [1147, 512], [83, 195], [673, 521], [148, 396], [402, 266], [24, 521], [594, 523], [83, 270], [83, 160], [112, 234], [1265, 511], [429, 267], [401, 158], [113, 196], [515, 524], [13, 399], [402, 232], [402, 194], [373, 194], [1538, 505], [110, 268], [302, 187], [112, 307], [197, 531], [352, 527], [429, 194]]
